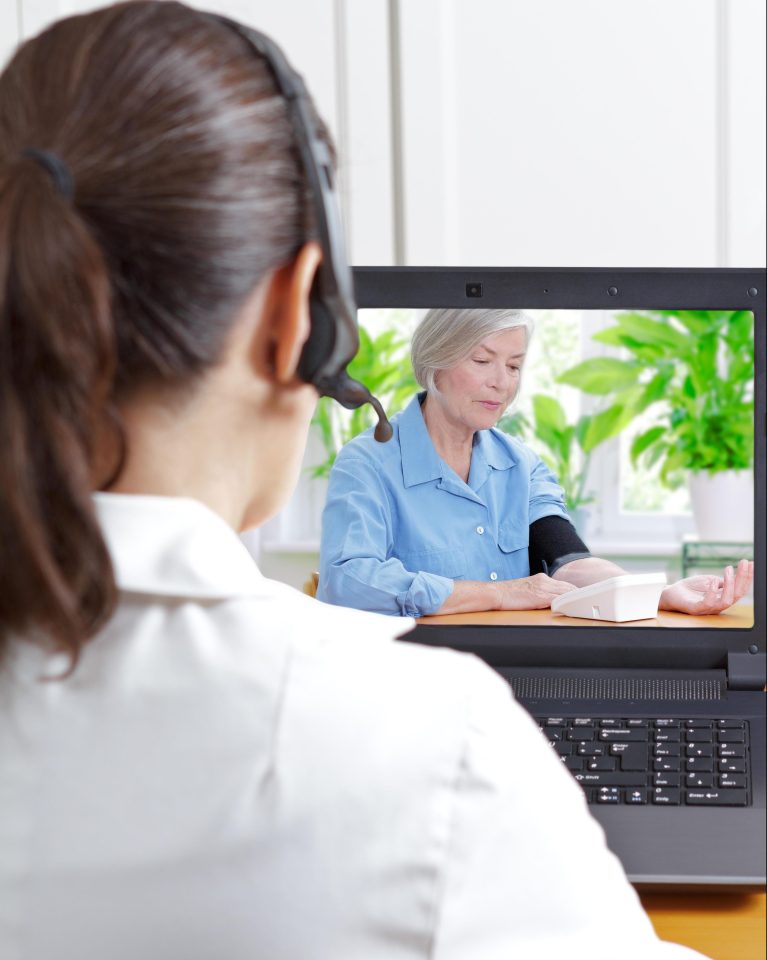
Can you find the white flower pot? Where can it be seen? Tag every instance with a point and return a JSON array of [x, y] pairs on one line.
[[723, 505]]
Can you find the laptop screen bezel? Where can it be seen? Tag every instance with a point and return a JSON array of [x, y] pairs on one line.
[[600, 289]]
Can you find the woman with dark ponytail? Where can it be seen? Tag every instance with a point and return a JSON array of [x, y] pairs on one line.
[[197, 762]]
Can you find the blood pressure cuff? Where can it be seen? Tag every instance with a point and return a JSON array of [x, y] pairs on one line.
[[554, 542]]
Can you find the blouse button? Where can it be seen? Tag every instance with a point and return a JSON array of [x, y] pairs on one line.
[[493, 575], [480, 530]]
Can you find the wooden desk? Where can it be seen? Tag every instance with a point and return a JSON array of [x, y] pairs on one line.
[[741, 615], [720, 926]]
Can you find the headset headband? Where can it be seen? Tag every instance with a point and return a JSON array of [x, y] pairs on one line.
[[333, 339]]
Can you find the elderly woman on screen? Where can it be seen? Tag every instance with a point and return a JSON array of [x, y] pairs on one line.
[[455, 516]]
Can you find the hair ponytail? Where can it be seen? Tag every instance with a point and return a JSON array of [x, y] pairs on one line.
[[187, 191], [57, 362]]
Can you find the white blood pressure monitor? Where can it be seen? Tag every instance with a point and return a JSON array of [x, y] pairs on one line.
[[628, 597]]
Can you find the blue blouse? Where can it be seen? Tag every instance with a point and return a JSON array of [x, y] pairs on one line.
[[399, 525]]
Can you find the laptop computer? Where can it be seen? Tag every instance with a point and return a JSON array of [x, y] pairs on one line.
[[690, 695]]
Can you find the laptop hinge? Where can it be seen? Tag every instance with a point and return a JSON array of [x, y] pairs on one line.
[[746, 671]]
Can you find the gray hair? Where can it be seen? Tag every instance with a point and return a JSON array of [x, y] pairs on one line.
[[445, 337]]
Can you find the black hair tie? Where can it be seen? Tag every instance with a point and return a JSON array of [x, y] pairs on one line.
[[58, 170]]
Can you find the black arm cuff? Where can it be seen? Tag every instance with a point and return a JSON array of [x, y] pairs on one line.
[[553, 543]]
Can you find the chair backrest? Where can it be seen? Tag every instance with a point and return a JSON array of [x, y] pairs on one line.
[[310, 586]]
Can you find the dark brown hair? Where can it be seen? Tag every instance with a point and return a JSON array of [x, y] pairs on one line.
[[187, 191]]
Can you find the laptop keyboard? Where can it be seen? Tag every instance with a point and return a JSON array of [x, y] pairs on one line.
[[664, 762]]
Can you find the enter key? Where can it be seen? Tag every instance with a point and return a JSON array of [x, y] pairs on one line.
[[633, 756]]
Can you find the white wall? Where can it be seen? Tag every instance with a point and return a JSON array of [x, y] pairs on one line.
[[590, 133], [503, 132]]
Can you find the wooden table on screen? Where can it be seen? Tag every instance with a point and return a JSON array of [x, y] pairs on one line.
[[738, 616], [723, 926]]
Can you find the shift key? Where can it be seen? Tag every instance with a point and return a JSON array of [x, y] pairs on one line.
[[610, 778]]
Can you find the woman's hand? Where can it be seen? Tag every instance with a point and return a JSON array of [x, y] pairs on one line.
[[530, 593], [704, 594]]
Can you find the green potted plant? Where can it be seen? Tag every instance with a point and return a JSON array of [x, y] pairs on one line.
[[694, 370]]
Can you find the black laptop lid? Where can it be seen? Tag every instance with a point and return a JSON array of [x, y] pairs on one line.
[[662, 296]]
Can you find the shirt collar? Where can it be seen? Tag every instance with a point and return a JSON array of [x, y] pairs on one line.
[[421, 462], [174, 546]]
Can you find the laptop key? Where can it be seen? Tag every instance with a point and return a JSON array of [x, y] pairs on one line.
[[666, 780], [731, 736], [732, 766], [699, 780], [633, 756], [732, 780], [699, 765], [726, 750], [699, 736], [731, 724], [611, 778], [670, 796], [590, 750], [668, 765], [609, 795], [624, 734], [717, 798], [573, 764], [666, 750], [602, 763], [635, 796], [699, 750], [668, 736], [581, 733]]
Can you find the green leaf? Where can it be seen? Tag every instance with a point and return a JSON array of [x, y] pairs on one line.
[[548, 412], [603, 425], [602, 375], [645, 330], [581, 427], [698, 322], [740, 328], [645, 440], [656, 389]]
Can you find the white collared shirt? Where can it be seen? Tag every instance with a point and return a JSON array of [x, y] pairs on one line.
[[238, 772]]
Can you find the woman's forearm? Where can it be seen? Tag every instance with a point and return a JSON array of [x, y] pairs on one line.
[[525, 593], [470, 596]]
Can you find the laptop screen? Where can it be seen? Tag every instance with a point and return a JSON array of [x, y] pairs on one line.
[[641, 391]]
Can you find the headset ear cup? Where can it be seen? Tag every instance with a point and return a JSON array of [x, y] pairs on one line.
[[320, 343]]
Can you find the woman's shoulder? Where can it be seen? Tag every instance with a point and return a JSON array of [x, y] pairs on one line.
[[347, 651]]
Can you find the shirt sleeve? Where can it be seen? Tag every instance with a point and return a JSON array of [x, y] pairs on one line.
[[356, 565], [547, 498], [528, 872]]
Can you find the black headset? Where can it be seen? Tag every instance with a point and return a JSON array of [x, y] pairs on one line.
[[333, 338]]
